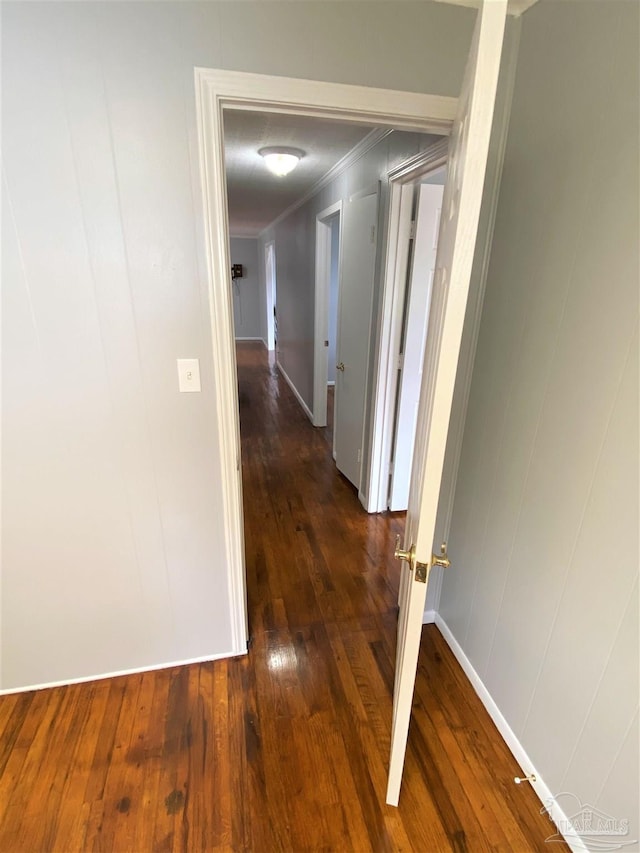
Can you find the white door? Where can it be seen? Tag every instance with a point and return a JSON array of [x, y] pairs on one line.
[[425, 242], [458, 229], [359, 221]]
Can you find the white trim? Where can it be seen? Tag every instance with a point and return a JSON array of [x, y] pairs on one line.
[[515, 8], [331, 382], [421, 164], [518, 7], [429, 617], [296, 393], [225, 386], [394, 285], [396, 264], [136, 671], [360, 104], [251, 339], [357, 153], [517, 749], [216, 89], [321, 309]]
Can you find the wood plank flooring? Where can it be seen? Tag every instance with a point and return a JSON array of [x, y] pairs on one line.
[[285, 749]]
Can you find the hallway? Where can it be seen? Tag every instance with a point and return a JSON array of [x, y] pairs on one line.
[[313, 554], [285, 749], [322, 591]]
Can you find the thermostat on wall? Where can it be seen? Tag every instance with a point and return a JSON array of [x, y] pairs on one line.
[[236, 271]]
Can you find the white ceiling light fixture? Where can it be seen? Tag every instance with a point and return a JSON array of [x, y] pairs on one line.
[[281, 160]]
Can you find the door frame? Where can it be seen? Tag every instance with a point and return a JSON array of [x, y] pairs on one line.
[[321, 307], [269, 291], [402, 181], [427, 198], [216, 89]]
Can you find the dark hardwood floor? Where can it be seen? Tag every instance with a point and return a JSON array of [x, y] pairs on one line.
[[285, 749]]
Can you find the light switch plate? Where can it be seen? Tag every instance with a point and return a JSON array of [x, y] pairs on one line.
[[188, 374]]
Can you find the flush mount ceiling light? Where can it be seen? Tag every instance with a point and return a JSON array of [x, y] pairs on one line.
[[280, 160]]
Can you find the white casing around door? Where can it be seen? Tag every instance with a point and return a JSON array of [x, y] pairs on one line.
[[417, 300], [456, 244]]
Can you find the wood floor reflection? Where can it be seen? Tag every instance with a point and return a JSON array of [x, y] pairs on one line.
[[285, 749]]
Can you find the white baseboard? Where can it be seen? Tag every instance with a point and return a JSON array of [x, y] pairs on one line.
[[519, 753], [428, 617], [331, 382], [296, 393], [248, 340], [136, 671]]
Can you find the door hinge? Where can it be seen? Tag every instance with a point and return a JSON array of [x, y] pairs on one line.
[[326, 343]]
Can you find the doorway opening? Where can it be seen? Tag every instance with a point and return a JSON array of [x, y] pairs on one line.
[[423, 243], [216, 91], [414, 221], [473, 117]]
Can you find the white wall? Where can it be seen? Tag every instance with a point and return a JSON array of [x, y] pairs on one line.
[[543, 590], [110, 556], [248, 300]]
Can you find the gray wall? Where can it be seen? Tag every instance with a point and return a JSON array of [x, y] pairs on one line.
[[110, 512], [495, 156], [248, 301], [543, 590]]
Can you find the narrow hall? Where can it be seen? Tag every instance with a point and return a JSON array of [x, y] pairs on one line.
[[322, 593]]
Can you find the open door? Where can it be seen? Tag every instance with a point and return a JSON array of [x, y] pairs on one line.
[[358, 260], [458, 229]]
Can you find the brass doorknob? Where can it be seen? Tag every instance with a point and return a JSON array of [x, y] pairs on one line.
[[443, 560], [399, 554], [340, 367]]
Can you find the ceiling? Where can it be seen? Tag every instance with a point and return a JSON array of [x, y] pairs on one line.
[[256, 197]]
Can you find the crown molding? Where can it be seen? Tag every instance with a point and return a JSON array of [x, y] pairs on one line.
[[515, 8]]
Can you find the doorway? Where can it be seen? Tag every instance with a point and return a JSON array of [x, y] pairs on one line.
[[403, 323], [216, 90], [423, 243], [454, 272]]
